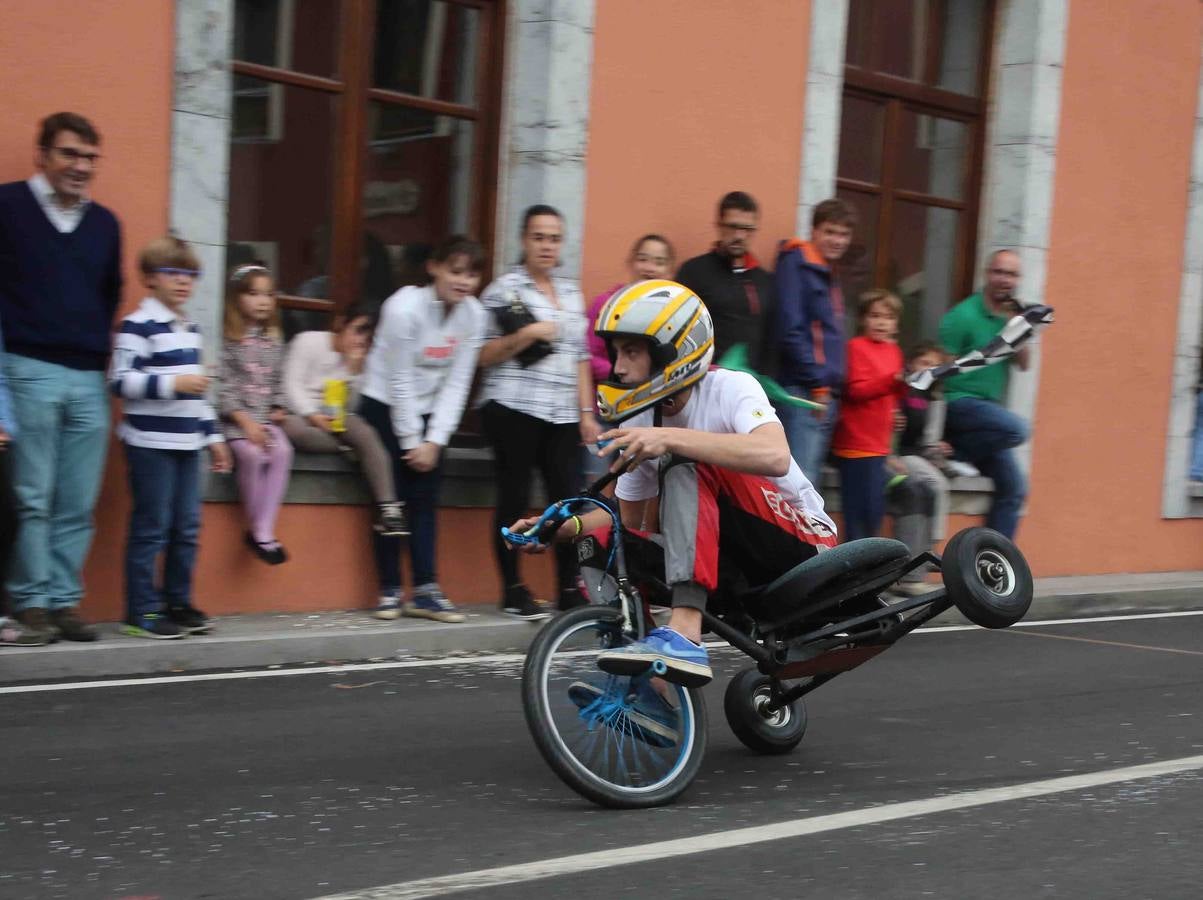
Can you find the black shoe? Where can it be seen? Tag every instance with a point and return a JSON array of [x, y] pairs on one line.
[[189, 619], [155, 626], [36, 620], [391, 520], [273, 556], [571, 599], [520, 604], [71, 627]]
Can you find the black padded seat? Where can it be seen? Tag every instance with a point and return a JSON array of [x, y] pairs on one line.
[[804, 581]]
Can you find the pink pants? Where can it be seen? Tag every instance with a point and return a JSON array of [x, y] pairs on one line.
[[262, 479]]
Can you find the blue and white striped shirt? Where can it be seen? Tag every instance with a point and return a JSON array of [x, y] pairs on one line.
[[152, 347]]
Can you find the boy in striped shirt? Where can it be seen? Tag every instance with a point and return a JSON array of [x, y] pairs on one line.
[[156, 371]]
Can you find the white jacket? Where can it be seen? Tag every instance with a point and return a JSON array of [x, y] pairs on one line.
[[422, 361]]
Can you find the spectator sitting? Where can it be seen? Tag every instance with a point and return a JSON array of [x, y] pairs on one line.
[[740, 294], [919, 499], [866, 424], [415, 385], [322, 372], [980, 429], [810, 331], [156, 371], [252, 404], [651, 258]]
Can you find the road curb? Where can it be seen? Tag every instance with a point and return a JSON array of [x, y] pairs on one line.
[[258, 641]]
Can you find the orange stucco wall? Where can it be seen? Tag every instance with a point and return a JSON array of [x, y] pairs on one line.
[[1115, 266], [685, 106]]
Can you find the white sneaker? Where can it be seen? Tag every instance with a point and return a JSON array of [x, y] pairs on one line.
[[388, 606], [960, 469]]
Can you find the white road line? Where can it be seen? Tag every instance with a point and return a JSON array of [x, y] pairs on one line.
[[742, 837], [492, 659]]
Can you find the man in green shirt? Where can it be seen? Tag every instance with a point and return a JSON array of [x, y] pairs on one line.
[[978, 425]]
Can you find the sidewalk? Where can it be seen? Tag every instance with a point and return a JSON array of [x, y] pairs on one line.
[[297, 639]]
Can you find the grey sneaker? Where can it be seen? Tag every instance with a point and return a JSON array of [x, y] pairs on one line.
[[389, 605], [430, 603], [14, 634], [391, 520]]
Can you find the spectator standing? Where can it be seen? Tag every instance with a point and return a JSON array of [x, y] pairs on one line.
[[252, 404], [416, 384], [978, 425], [317, 363], [865, 428], [537, 396], [12, 632], [651, 258], [810, 331], [157, 372], [60, 284], [740, 294]]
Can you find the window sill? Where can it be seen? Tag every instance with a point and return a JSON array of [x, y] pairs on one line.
[[328, 479]]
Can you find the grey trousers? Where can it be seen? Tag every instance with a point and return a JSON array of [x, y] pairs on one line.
[[360, 437], [921, 515]]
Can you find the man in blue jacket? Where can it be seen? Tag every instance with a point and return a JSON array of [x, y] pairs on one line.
[[810, 325], [60, 283]]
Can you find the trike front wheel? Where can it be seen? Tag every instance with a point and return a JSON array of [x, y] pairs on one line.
[[619, 741]]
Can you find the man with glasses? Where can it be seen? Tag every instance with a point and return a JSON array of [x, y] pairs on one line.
[[739, 294], [977, 422], [60, 284]]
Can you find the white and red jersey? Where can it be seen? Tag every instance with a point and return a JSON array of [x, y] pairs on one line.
[[728, 402]]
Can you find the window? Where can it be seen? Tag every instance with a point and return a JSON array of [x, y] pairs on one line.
[[363, 131], [911, 135]]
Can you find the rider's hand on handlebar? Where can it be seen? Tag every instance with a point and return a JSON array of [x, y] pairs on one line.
[[522, 526], [631, 446]]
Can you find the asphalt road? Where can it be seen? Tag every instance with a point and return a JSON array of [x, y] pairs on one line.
[[306, 786]]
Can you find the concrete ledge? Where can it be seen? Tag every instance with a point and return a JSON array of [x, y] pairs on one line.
[[298, 639]]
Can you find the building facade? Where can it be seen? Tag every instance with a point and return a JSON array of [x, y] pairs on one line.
[[337, 139]]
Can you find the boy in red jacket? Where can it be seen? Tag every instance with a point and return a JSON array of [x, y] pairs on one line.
[[866, 425]]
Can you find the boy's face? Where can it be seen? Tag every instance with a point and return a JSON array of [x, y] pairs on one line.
[[171, 287], [831, 240], [880, 322], [928, 360]]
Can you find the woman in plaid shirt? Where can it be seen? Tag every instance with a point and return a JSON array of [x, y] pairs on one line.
[[537, 395]]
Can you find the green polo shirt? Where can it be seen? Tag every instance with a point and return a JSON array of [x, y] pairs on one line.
[[971, 326]]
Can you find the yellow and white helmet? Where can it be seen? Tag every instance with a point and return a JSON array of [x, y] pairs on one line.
[[676, 324]]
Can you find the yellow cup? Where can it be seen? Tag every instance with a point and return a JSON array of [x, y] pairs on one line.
[[334, 399]]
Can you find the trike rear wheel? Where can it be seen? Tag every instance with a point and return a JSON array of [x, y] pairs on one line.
[[987, 577], [752, 720], [621, 742]]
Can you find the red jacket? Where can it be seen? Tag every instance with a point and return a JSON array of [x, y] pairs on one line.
[[870, 396]]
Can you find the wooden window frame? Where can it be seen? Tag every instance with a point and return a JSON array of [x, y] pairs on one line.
[[895, 94], [353, 87]]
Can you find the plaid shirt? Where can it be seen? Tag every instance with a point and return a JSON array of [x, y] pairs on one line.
[[546, 389], [251, 380]]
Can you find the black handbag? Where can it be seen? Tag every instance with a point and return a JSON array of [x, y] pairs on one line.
[[514, 315]]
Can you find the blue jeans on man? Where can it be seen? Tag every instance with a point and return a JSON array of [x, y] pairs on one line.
[[165, 489], [984, 433], [63, 415], [808, 435]]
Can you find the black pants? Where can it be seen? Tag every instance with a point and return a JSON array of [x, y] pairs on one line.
[[9, 523], [522, 443]]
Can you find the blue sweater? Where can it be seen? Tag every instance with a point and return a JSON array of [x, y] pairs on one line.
[[58, 292], [810, 319]]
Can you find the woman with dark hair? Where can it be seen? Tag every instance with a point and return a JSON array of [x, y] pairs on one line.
[[536, 396]]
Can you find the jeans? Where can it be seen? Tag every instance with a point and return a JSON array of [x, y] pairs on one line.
[[165, 489], [419, 491], [984, 433], [808, 435], [1196, 457], [63, 420], [862, 495]]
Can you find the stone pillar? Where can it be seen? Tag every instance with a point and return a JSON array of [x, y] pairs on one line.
[[545, 120], [821, 127]]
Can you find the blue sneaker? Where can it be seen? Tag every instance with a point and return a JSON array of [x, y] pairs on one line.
[[683, 662], [653, 718], [430, 603]]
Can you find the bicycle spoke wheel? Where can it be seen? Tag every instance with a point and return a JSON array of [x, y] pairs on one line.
[[619, 741]]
